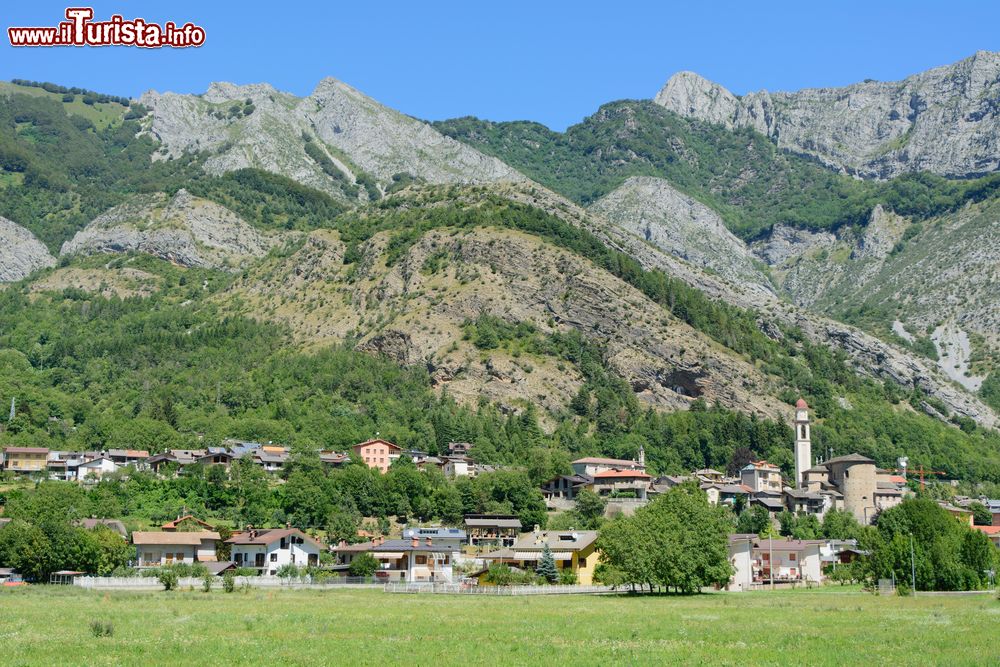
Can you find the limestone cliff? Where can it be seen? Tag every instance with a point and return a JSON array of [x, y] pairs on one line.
[[945, 120], [20, 252]]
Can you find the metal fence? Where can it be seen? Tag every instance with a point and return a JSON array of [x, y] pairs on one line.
[[473, 589], [153, 584]]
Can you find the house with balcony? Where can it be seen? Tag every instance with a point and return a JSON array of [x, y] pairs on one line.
[[25, 460], [407, 560], [761, 477], [759, 562], [571, 550], [630, 483], [268, 550], [159, 548], [592, 465], [491, 531], [128, 457]]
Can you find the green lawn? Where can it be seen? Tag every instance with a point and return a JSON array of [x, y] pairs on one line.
[[44, 626]]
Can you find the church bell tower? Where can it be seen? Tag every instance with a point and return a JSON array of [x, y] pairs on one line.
[[803, 444]]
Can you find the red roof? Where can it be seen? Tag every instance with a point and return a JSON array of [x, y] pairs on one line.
[[620, 473], [801, 403], [989, 530], [26, 450]]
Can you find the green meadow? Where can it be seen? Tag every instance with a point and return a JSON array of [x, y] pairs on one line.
[[832, 626]]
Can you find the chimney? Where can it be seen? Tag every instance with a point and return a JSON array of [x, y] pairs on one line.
[[415, 542], [288, 525], [429, 541], [341, 544]]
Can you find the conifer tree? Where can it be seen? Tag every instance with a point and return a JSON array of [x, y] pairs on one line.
[[547, 566]]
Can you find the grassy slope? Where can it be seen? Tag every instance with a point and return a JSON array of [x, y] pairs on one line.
[[101, 114], [827, 627]]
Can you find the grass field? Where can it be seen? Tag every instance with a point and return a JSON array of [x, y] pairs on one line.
[[826, 627]]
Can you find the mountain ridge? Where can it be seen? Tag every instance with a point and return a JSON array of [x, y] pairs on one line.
[[945, 120]]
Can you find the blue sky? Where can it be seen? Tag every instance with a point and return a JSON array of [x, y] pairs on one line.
[[554, 62]]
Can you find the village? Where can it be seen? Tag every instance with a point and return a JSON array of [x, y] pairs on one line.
[[467, 554]]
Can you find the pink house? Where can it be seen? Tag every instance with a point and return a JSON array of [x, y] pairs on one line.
[[378, 454]]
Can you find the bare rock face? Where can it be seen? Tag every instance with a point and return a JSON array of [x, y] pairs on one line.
[[352, 130], [415, 315], [883, 232], [680, 225], [870, 356], [945, 120], [20, 252], [183, 229]]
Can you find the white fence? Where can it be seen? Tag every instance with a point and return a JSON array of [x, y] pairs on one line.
[[472, 589], [153, 584]]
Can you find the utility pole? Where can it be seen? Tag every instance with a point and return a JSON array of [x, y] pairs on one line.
[[913, 568], [770, 556]]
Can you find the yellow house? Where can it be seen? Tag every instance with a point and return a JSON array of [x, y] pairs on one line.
[[25, 459], [575, 550]]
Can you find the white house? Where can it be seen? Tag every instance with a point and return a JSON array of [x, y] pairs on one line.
[[95, 469], [781, 561], [455, 466], [157, 548], [268, 550]]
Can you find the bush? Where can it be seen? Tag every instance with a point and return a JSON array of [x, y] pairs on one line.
[[229, 581], [288, 571], [168, 577], [100, 628], [206, 583], [363, 566], [567, 577]]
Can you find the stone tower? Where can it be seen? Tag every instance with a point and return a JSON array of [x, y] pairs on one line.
[[803, 444], [642, 456]]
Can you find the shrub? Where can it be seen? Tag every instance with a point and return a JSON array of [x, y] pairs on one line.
[[567, 577], [363, 566], [100, 628], [229, 581], [288, 571], [168, 577], [206, 583]]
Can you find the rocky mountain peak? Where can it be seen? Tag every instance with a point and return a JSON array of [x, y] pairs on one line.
[[692, 95]]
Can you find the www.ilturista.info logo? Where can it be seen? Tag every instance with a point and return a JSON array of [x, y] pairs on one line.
[[80, 30]]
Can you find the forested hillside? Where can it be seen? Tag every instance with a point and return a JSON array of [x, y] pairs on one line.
[[739, 173], [129, 351]]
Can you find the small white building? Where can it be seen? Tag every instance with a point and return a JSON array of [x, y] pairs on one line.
[[455, 466], [268, 550], [95, 469], [158, 548]]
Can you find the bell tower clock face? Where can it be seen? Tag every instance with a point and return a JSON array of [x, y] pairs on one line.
[[801, 416]]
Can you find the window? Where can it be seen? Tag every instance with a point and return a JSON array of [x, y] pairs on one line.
[[239, 558], [583, 561], [421, 560], [284, 543], [274, 557], [791, 556]]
